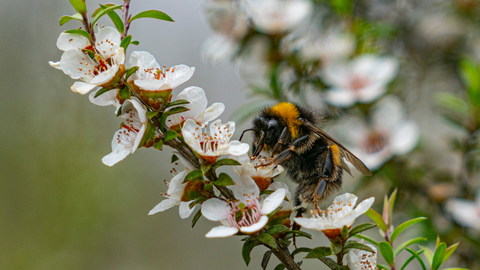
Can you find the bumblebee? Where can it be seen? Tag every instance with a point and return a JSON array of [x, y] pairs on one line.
[[313, 159]]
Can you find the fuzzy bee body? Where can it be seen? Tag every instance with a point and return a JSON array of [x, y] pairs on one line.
[[311, 157]]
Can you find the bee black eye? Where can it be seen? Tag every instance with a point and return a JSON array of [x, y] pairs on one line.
[[272, 127]]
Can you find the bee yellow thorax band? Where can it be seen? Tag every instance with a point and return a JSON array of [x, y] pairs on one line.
[[337, 159], [289, 114]]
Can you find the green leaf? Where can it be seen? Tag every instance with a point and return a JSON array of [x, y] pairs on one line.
[[377, 218], [177, 102], [150, 115], [247, 249], [319, 252], [119, 111], [105, 11], [79, 6], [100, 8], [170, 135], [391, 203], [331, 264], [225, 162], [158, 145], [224, 180], [358, 246], [67, 18], [174, 158], [455, 268], [439, 256], [129, 72], [336, 247], [125, 93], [177, 110], [428, 254], [101, 91], [387, 252], [409, 243], [452, 103], [193, 175], [79, 32], [404, 226], [366, 238], [417, 256], [198, 200], [125, 42], [205, 168], [278, 228], [381, 267], [298, 233], [154, 14], [279, 267], [267, 240], [469, 71], [266, 259], [361, 228], [410, 259], [196, 217], [450, 251], [299, 250], [135, 42], [117, 21], [274, 212], [344, 232]]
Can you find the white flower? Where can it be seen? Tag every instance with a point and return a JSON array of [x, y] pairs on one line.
[[465, 212], [286, 205], [215, 143], [101, 70], [260, 169], [363, 80], [175, 192], [340, 213], [388, 134], [358, 259], [246, 215], [128, 138], [67, 41], [278, 16], [198, 108]]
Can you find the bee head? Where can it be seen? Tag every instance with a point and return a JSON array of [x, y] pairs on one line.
[[267, 130]]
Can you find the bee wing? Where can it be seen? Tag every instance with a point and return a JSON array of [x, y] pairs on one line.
[[344, 152]]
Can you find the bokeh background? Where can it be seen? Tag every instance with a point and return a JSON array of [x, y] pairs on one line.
[[61, 208]]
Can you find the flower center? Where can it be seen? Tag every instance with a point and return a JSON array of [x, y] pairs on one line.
[[375, 142], [357, 82], [130, 128], [244, 215]]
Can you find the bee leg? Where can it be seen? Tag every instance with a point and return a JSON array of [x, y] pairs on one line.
[[287, 152], [280, 141], [318, 194]]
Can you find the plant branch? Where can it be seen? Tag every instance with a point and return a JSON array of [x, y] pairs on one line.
[[125, 17], [285, 257]]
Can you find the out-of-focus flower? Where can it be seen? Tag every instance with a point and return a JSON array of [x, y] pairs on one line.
[[278, 16], [363, 80], [260, 169], [388, 134], [198, 109], [152, 83], [103, 67], [247, 214], [229, 22], [215, 143], [340, 213], [130, 136], [465, 212], [358, 259], [174, 193], [439, 30]]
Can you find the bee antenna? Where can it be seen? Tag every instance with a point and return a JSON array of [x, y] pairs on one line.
[[241, 136]]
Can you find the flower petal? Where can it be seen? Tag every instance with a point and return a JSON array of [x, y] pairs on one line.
[[256, 226], [185, 210], [273, 201], [364, 206], [311, 223], [77, 65], [105, 99], [145, 62], [67, 41], [180, 74], [198, 102], [245, 188], [221, 231], [405, 138], [107, 41], [215, 209], [237, 148], [82, 88], [340, 97], [164, 205], [212, 112], [55, 64]]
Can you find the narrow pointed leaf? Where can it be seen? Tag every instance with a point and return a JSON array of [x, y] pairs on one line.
[[174, 158], [177, 102], [225, 162], [297, 233], [100, 8], [79, 6], [150, 115], [299, 250], [196, 217], [391, 203], [170, 135], [224, 180], [366, 238], [247, 249], [330, 263], [278, 228], [410, 259], [79, 32], [125, 42], [158, 145], [409, 243], [154, 14], [381, 267], [358, 246], [428, 254], [67, 18], [417, 256], [279, 267], [319, 252], [387, 252], [404, 226], [267, 240], [361, 228], [135, 42], [377, 218], [103, 12], [193, 175], [101, 91], [125, 93], [177, 110], [438, 256], [336, 247], [117, 21], [450, 251], [266, 259], [197, 201]]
